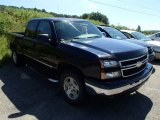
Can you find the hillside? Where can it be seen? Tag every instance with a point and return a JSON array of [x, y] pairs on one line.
[[14, 19]]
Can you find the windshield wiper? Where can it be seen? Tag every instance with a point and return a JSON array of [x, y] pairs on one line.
[[94, 36], [70, 39], [77, 38]]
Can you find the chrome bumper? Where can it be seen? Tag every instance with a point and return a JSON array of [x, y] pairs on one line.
[[120, 89]]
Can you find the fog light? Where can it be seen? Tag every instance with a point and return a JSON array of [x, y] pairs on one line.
[[113, 74]]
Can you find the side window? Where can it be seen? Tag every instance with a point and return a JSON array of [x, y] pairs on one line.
[[31, 29], [44, 28], [158, 35], [107, 35], [128, 35]]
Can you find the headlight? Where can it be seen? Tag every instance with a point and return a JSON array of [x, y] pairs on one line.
[[109, 74], [109, 64], [113, 74]]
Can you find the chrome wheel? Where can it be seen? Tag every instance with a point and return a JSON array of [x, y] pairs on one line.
[[71, 88], [14, 56]]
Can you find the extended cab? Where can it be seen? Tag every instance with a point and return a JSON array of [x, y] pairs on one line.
[[76, 52]]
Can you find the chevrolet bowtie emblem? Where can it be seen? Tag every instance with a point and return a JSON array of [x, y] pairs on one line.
[[139, 64]]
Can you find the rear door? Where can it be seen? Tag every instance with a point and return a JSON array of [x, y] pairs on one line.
[[28, 44]]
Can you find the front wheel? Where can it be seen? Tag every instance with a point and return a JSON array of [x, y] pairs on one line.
[[72, 87]]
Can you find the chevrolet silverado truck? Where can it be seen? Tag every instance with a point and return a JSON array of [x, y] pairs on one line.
[[80, 57]]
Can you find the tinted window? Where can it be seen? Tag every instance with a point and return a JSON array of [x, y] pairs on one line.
[[44, 28], [67, 30], [140, 36], [31, 29], [114, 33], [128, 35], [106, 34]]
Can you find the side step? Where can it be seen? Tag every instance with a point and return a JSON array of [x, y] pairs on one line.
[[53, 80], [50, 79]]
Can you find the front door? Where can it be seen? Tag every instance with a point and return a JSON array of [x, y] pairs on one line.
[[46, 53]]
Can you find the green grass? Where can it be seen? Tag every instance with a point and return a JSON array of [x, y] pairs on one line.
[[5, 53]]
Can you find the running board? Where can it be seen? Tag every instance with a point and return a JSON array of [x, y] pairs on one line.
[[52, 80]]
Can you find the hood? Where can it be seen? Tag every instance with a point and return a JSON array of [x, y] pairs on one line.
[[138, 42], [145, 39], [108, 46], [154, 43]]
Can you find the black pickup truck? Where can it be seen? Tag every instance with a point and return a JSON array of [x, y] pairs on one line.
[[76, 52]]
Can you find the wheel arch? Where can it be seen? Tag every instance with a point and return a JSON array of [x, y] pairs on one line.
[[12, 46], [69, 67]]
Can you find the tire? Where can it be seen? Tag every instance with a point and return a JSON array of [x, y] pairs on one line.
[[72, 87], [16, 58]]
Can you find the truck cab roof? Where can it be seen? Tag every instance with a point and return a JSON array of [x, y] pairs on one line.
[[59, 19]]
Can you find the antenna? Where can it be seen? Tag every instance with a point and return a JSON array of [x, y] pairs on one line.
[[58, 10]]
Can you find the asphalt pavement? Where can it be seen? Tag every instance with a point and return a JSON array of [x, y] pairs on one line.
[[26, 95]]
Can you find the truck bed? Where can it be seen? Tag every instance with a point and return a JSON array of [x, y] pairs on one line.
[[17, 34], [12, 37]]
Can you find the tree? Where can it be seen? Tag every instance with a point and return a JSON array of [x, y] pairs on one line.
[[22, 7], [149, 32], [120, 27], [138, 28], [100, 17], [97, 17], [35, 9], [43, 10], [85, 16]]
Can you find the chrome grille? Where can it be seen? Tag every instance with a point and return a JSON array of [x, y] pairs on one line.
[[134, 66]]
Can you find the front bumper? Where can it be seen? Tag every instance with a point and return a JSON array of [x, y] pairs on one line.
[[119, 86], [151, 57]]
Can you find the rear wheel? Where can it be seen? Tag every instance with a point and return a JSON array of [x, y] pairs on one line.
[[17, 59], [72, 87]]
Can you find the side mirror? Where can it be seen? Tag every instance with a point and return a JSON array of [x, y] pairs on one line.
[[104, 34], [43, 37]]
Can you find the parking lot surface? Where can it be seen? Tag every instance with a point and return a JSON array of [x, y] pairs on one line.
[[26, 95]]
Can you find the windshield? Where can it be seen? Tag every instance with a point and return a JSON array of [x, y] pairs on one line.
[[140, 36], [68, 30], [114, 33]]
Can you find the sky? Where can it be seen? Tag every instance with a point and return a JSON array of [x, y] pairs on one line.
[[130, 13]]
